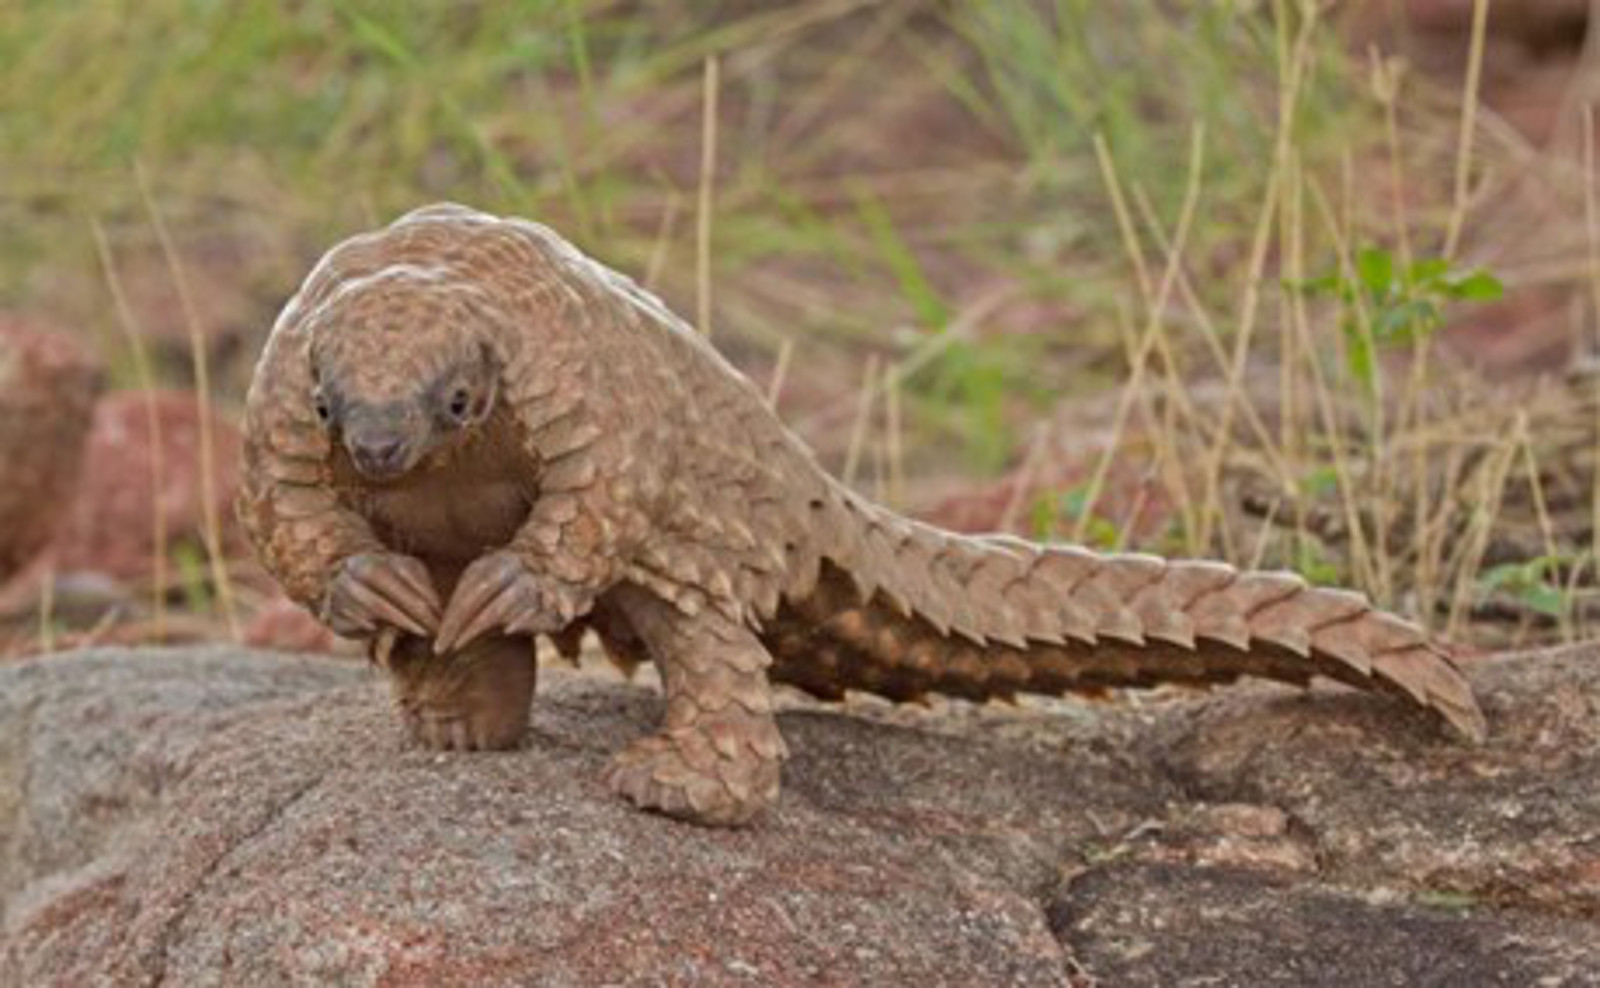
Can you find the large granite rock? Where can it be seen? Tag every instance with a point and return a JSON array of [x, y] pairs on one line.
[[224, 817]]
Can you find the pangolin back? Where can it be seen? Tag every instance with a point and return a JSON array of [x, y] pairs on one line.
[[902, 609]]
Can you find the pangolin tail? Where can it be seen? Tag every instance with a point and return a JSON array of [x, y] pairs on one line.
[[904, 609]]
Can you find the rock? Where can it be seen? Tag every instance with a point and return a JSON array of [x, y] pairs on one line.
[[1539, 21], [1533, 52], [1534, 23], [48, 385], [232, 267], [1151, 924], [90, 745], [103, 551], [281, 625], [214, 816], [109, 530]]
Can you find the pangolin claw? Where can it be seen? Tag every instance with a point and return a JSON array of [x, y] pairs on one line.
[[378, 589]]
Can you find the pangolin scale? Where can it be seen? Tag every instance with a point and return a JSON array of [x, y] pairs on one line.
[[463, 433]]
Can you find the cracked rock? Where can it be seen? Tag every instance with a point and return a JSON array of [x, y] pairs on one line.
[[217, 816]]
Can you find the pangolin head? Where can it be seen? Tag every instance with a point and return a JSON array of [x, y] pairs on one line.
[[402, 367]]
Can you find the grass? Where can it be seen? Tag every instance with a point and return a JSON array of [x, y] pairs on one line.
[[928, 227]]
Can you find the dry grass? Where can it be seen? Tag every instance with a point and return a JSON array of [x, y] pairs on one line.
[[923, 225]]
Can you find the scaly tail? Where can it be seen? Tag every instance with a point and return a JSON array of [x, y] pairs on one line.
[[903, 609]]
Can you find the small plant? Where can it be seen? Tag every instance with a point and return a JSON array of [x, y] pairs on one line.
[[967, 386], [1531, 583], [1386, 303], [189, 558], [1311, 560], [1057, 513]]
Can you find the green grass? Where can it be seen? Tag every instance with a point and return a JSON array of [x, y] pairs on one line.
[[328, 116], [917, 183]]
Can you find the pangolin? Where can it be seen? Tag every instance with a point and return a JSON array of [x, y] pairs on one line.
[[463, 434]]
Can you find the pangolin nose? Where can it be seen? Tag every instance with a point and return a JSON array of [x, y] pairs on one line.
[[379, 454]]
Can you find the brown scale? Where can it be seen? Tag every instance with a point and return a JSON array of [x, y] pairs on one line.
[[620, 475], [831, 642]]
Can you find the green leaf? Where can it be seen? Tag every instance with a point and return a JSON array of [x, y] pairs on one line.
[[1427, 271], [1375, 268], [1476, 286], [1544, 599], [1063, 511], [1358, 356], [1312, 562], [379, 38], [1327, 284], [193, 575], [1320, 482], [902, 262], [1527, 583], [1405, 322], [1495, 577], [1074, 502], [1043, 518]]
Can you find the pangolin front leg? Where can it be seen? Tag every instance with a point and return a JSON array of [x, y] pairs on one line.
[[717, 757], [549, 576], [474, 699]]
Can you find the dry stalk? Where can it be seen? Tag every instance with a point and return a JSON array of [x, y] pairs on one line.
[[863, 423], [1155, 312], [1469, 117], [210, 515], [128, 324], [780, 372], [1491, 477], [662, 244], [1293, 64], [708, 174]]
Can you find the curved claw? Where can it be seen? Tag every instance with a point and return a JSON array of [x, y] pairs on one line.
[[495, 591], [375, 589]]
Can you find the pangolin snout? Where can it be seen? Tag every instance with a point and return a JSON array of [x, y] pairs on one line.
[[379, 455]]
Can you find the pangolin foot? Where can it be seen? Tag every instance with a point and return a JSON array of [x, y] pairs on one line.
[[478, 699], [456, 729], [684, 773]]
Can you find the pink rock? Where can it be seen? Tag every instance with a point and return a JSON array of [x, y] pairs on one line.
[[48, 383], [212, 816], [284, 626], [112, 522], [1531, 19]]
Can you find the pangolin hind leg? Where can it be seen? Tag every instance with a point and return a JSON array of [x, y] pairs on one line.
[[717, 758], [475, 699]]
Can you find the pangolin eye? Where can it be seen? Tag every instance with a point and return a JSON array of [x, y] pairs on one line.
[[460, 403], [323, 412]]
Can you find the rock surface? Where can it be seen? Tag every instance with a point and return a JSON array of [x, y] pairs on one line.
[[48, 385], [222, 817], [102, 558], [109, 529]]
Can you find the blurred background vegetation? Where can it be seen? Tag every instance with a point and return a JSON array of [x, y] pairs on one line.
[[1261, 280]]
